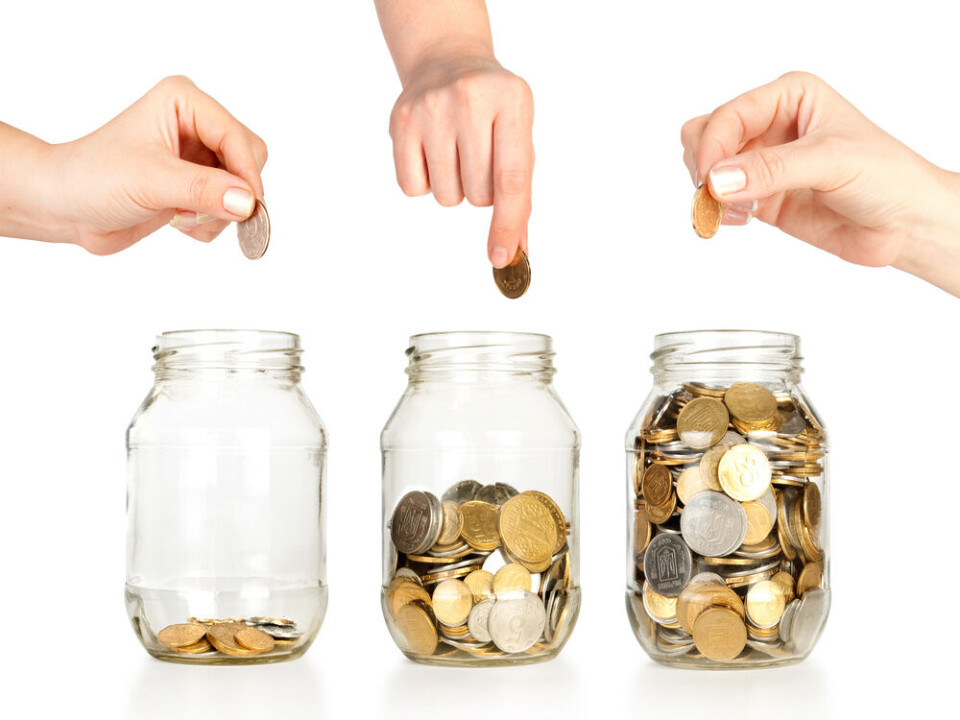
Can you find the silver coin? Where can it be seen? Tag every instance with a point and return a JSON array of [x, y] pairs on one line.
[[463, 491], [496, 494], [793, 424], [786, 621], [769, 502], [730, 438], [279, 632], [707, 577], [713, 524], [461, 645], [449, 553], [773, 649], [555, 605], [254, 232], [517, 622], [416, 522], [408, 573], [667, 564], [479, 619], [808, 620]]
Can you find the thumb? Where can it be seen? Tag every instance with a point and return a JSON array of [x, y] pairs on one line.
[[758, 174], [188, 186]]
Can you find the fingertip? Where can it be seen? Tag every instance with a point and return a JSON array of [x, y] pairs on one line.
[[500, 257]]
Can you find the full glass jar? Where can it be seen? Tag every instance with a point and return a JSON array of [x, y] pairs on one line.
[[728, 560], [225, 511], [480, 498]]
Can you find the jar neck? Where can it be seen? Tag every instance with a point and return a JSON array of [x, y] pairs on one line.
[[480, 356], [198, 354], [726, 356]]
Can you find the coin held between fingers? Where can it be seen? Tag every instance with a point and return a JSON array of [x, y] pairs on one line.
[[253, 233], [514, 279]]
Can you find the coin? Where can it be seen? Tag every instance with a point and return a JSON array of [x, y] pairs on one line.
[[182, 635], [516, 623], [452, 523], [496, 493], [808, 620], [480, 583], [417, 629], [511, 578], [702, 422], [705, 213], [710, 467], [759, 522], [811, 505], [811, 577], [528, 529], [661, 608], [719, 634], [254, 232], [690, 482], [667, 564], [556, 513], [198, 648], [223, 637], [744, 472], [642, 534], [514, 279], [253, 639], [656, 484], [481, 525], [416, 522], [478, 622], [712, 524], [750, 402], [765, 603], [403, 591], [463, 491], [659, 514], [452, 601]]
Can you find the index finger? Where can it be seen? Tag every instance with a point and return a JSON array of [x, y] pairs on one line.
[[512, 185]]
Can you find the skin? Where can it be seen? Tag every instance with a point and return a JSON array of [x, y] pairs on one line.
[[463, 125], [168, 158], [815, 167]]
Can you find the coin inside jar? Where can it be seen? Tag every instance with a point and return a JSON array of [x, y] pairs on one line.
[[713, 525], [750, 402], [516, 623], [528, 529], [480, 583], [744, 472], [253, 639], [667, 564], [416, 522], [481, 525], [702, 422], [177, 636], [452, 523], [452, 601], [417, 629], [656, 484], [719, 634], [511, 578], [765, 603]]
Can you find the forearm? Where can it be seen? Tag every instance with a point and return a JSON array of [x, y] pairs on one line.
[[28, 182], [417, 31]]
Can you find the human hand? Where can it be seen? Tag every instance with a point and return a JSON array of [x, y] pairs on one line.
[[799, 156], [174, 155], [463, 127]]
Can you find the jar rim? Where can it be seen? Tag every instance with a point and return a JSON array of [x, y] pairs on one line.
[[227, 349], [481, 333], [659, 338]]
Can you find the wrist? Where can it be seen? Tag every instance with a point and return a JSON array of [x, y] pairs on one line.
[[448, 55]]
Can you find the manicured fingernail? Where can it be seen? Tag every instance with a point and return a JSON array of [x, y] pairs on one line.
[[727, 180], [499, 257], [696, 178], [238, 201], [186, 220], [735, 216], [746, 206]]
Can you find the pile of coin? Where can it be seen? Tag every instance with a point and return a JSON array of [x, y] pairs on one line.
[[238, 637], [729, 562], [482, 572]]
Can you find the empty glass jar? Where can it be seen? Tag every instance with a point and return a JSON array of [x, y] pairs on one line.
[[225, 511], [480, 524], [728, 559]]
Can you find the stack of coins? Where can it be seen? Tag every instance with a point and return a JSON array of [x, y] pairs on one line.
[[482, 572], [238, 637], [729, 563]]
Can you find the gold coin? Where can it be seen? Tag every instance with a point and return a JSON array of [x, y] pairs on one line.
[[810, 577], [785, 581], [253, 639], [222, 637], [811, 506], [480, 583], [403, 591], [703, 422], [512, 578], [480, 525], [528, 529], [750, 403], [710, 467], [202, 646], [452, 523], [744, 472], [765, 603], [641, 533], [693, 600], [514, 279], [661, 513], [661, 608], [759, 522], [433, 578], [656, 484], [719, 634], [178, 636], [556, 513], [705, 213], [452, 602], [417, 628], [690, 482]]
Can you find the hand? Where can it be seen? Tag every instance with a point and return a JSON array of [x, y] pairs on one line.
[[463, 127], [175, 154], [800, 157]]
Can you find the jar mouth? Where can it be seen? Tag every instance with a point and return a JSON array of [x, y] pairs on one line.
[[481, 350], [227, 349], [706, 353]]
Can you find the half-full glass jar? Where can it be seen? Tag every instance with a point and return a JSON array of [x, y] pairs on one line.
[[225, 511], [728, 559], [480, 503]]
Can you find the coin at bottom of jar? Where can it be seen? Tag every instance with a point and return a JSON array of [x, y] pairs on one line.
[[452, 601], [720, 634], [251, 638], [197, 648], [223, 637], [479, 620], [417, 628], [810, 577], [512, 578], [667, 564], [403, 591], [765, 603], [181, 635], [480, 583], [662, 609], [517, 622]]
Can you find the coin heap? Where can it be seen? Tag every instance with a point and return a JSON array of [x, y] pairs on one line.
[[729, 563], [239, 637], [451, 596]]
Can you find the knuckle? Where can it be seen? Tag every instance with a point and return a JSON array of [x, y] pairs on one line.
[[770, 166], [433, 103], [512, 181], [176, 83], [260, 150], [199, 187], [800, 77], [401, 117]]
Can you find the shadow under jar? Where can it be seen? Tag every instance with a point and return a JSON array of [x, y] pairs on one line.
[[726, 475], [225, 512], [480, 503]]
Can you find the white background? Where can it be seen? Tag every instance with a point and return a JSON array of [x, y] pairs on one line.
[[355, 268]]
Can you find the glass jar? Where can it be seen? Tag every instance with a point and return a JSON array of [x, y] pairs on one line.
[[728, 561], [225, 518], [480, 503]]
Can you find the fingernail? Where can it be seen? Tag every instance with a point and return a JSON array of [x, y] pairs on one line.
[[696, 178], [499, 257], [736, 216], [186, 220], [728, 180], [746, 206], [238, 201]]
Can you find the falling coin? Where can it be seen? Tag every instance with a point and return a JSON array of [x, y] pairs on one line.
[[254, 233], [705, 212], [514, 279]]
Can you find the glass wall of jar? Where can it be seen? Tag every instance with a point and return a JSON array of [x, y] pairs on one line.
[[225, 511], [728, 553], [480, 503]]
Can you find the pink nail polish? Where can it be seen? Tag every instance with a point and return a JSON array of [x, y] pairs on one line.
[[727, 180]]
